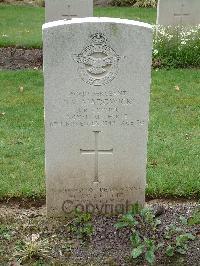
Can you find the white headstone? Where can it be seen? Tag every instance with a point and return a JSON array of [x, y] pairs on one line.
[[67, 9], [97, 75], [178, 12]]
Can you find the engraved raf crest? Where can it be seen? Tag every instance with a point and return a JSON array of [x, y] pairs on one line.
[[97, 63]]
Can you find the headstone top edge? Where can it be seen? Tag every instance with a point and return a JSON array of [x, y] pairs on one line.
[[96, 20]]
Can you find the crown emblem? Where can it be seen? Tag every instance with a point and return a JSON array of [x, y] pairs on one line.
[[98, 38], [97, 62]]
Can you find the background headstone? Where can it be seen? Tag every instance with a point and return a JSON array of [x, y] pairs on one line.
[[67, 9], [97, 79], [178, 12]]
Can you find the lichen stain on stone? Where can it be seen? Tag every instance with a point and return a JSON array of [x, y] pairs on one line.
[[114, 28]]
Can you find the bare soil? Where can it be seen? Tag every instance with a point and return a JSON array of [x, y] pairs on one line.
[[12, 58], [17, 58], [28, 237]]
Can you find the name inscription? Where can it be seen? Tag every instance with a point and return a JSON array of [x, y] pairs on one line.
[[96, 108]]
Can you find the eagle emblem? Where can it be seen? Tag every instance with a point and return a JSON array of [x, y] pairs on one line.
[[97, 62]]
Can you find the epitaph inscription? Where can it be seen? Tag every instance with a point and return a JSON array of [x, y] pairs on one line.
[[98, 62]]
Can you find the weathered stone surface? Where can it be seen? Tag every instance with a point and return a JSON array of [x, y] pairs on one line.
[[67, 9], [97, 80], [178, 12]]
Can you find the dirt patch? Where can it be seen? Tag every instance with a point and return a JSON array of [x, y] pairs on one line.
[[13, 58], [27, 237], [17, 58], [23, 203]]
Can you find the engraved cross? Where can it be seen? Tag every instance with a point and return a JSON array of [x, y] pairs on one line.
[[181, 14], [69, 15], [96, 153]]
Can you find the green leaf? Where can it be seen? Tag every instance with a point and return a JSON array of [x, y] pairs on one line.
[[136, 208], [181, 250], [121, 225], [150, 256], [170, 251], [178, 230], [157, 222], [190, 236], [148, 215], [183, 220], [7, 236], [160, 245], [126, 220], [136, 252], [195, 218], [78, 211], [135, 239], [182, 239], [130, 219], [149, 243]]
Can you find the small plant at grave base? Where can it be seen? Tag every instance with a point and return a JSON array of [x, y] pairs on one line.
[[5, 232], [195, 218], [81, 225], [176, 240], [31, 249], [145, 234]]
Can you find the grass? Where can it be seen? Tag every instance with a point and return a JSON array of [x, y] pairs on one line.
[[142, 14], [21, 134], [21, 25], [174, 142]]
